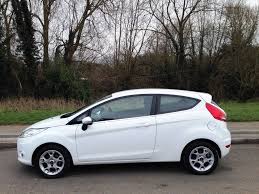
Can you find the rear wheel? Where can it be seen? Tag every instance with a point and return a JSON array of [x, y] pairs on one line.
[[52, 161], [200, 158]]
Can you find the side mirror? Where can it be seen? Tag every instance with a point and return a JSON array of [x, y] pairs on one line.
[[86, 121]]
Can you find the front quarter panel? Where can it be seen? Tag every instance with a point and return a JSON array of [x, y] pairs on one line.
[[63, 135]]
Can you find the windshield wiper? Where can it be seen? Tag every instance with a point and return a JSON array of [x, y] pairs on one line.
[[66, 115]]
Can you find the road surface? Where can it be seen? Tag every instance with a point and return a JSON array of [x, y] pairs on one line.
[[237, 173]]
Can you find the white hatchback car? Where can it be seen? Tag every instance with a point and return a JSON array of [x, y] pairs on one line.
[[144, 125]]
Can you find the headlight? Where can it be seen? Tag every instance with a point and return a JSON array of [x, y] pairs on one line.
[[32, 131]]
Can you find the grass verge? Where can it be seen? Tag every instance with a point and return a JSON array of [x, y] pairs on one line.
[[239, 112], [9, 117], [28, 111]]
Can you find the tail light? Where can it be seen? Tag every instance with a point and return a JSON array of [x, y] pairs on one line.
[[216, 112]]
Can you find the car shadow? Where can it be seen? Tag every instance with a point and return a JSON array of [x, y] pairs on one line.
[[136, 168], [103, 169], [174, 168], [26, 170]]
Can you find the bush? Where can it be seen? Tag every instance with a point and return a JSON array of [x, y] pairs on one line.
[[64, 82]]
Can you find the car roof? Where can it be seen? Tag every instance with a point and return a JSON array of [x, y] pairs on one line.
[[186, 93]]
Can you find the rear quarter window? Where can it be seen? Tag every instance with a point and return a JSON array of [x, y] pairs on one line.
[[169, 103]]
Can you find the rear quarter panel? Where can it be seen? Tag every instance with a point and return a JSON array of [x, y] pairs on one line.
[[176, 130]]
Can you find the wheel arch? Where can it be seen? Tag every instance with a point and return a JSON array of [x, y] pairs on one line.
[[45, 144], [202, 140]]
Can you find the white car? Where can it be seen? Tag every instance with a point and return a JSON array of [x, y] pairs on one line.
[[144, 125]]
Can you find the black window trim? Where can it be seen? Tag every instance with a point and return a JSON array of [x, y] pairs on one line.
[[158, 100], [88, 112]]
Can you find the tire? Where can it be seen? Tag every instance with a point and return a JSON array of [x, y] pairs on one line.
[[200, 158], [52, 161]]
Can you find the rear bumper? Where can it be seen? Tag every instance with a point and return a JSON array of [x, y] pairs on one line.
[[225, 147], [223, 137]]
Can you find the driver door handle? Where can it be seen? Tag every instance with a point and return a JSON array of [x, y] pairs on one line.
[[144, 124]]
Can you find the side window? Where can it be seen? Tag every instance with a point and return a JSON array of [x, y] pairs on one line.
[[81, 117], [176, 103], [78, 119], [127, 107]]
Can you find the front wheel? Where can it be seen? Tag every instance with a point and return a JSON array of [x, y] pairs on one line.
[[200, 158], [52, 161]]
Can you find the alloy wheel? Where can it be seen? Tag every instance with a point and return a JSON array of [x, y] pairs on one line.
[[201, 159], [51, 162]]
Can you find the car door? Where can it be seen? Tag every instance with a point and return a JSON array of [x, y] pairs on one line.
[[122, 129]]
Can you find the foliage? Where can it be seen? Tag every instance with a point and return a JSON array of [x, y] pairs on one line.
[[62, 81], [200, 45], [5, 75], [25, 31]]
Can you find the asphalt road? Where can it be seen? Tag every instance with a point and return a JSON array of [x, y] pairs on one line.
[[237, 173]]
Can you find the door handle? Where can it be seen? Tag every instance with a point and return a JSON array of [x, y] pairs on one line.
[[141, 125], [146, 124]]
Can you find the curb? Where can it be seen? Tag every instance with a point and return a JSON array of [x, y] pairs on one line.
[[8, 136], [245, 141], [245, 132], [7, 145]]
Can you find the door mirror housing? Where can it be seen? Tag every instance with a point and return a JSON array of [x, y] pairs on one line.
[[86, 121]]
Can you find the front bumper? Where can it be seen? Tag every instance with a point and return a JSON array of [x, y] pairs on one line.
[[25, 151]]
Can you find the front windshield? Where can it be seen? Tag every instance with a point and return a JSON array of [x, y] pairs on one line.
[[66, 115]]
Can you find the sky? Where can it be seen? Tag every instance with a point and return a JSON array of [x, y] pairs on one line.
[[253, 2]]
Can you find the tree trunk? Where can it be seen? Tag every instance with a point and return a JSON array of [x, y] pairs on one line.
[[46, 13]]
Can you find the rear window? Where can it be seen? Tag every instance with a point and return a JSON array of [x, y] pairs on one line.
[[169, 104]]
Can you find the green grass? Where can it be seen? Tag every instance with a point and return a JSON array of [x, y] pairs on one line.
[[248, 111], [11, 115], [30, 117], [30, 110]]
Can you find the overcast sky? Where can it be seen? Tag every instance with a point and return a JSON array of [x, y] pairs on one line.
[[253, 2]]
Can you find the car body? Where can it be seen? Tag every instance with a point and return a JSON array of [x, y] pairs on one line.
[[142, 125]]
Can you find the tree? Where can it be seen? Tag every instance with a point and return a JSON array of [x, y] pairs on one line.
[[207, 31], [235, 75], [77, 26], [173, 15], [25, 31], [130, 34], [47, 10], [3, 62], [242, 26], [7, 22]]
